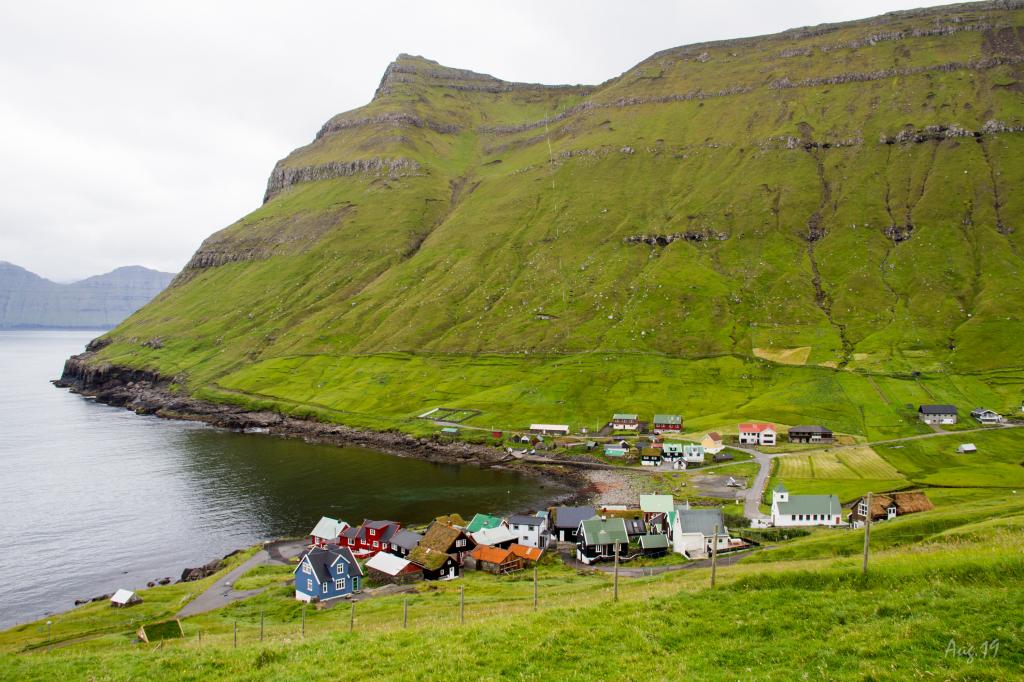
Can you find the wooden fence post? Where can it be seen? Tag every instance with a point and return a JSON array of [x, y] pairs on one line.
[[714, 556], [867, 535], [236, 634], [535, 587], [462, 603], [352, 618], [615, 588], [405, 612], [261, 625], [303, 619]]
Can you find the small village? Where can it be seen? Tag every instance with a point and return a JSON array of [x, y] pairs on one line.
[[342, 559]]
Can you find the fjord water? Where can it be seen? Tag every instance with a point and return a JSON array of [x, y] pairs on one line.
[[93, 498]]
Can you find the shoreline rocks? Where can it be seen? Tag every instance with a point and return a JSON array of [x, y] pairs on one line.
[[147, 392]]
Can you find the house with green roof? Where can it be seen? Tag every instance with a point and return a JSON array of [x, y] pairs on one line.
[[597, 539], [483, 521], [804, 510], [622, 421], [655, 504], [667, 422], [654, 545]]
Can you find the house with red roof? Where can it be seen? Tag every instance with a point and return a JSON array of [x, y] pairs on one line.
[[757, 433]]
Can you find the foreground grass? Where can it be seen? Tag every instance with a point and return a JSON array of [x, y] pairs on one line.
[[821, 618], [801, 608]]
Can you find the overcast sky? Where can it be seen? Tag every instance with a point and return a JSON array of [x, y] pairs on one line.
[[130, 131]]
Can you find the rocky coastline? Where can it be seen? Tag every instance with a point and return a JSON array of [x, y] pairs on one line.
[[147, 392]]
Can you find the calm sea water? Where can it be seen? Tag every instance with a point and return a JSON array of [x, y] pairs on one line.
[[104, 498]]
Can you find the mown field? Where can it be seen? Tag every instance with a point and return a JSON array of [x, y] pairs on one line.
[[802, 607], [932, 463]]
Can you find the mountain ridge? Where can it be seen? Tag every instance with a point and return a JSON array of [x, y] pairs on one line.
[[838, 195], [30, 301]]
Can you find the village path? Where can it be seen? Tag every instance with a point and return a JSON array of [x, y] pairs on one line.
[[223, 593]]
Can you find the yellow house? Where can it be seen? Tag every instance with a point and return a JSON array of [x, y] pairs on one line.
[[712, 443]]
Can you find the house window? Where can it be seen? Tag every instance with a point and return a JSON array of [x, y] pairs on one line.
[[306, 569], [460, 543], [339, 584], [309, 586]]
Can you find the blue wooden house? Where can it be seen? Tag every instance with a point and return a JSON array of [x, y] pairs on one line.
[[327, 573]]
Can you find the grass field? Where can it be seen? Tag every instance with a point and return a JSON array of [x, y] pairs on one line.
[[853, 471], [934, 578]]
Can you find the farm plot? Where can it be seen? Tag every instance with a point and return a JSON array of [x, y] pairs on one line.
[[856, 462]]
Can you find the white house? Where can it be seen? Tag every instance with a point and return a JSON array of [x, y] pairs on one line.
[[550, 429], [937, 414], [757, 433], [693, 532], [327, 531], [693, 454], [530, 530], [986, 416], [804, 510]]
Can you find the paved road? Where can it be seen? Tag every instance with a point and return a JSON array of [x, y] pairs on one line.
[[222, 592]]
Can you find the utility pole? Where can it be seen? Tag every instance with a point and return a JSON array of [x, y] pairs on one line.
[[462, 603], [714, 556], [405, 612], [535, 587], [615, 592], [867, 534], [236, 634]]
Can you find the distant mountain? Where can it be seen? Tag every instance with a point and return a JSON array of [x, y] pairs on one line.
[[101, 302]]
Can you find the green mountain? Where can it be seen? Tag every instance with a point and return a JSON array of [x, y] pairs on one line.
[[100, 302], [821, 225]]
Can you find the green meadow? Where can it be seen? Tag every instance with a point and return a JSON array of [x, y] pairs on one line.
[[925, 608]]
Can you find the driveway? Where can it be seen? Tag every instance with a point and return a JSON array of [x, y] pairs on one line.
[[222, 593]]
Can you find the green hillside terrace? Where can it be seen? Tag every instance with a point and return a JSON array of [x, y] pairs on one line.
[[759, 222]]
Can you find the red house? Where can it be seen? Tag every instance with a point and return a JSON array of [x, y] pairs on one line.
[[667, 422], [369, 538]]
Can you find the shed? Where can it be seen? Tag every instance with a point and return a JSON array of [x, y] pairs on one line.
[[123, 598], [390, 569], [527, 554], [495, 560], [450, 430], [967, 448], [654, 545]]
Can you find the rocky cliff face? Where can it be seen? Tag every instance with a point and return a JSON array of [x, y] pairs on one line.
[[100, 302]]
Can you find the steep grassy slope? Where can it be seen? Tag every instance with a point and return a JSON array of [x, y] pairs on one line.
[[846, 190]]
